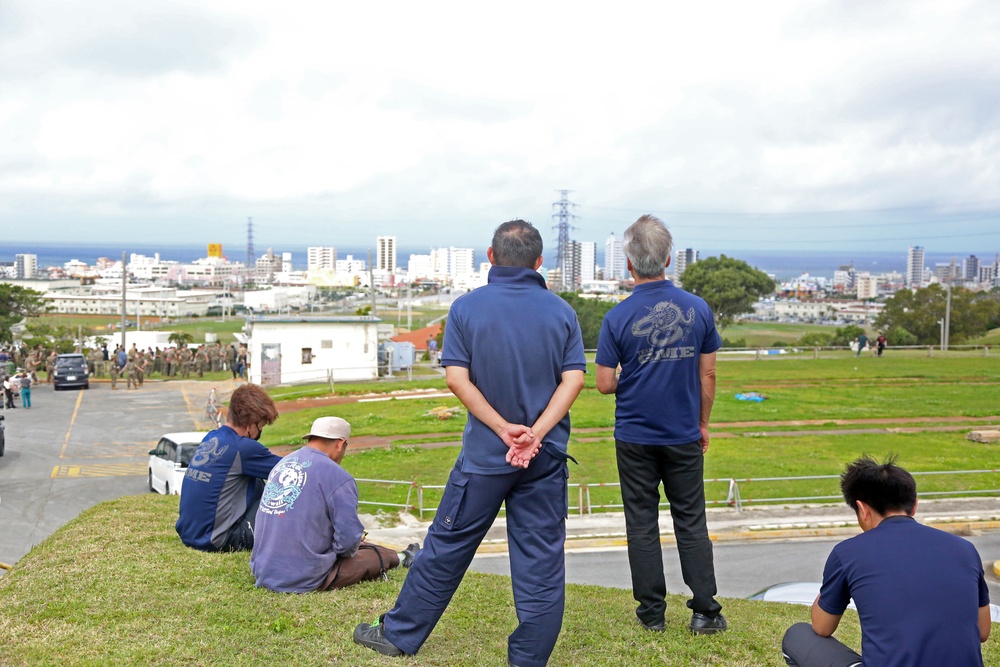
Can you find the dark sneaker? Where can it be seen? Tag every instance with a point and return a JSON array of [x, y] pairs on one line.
[[707, 625], [372, 635], [409, 554]]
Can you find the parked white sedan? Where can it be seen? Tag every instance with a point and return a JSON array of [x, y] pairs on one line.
[[169, 461]]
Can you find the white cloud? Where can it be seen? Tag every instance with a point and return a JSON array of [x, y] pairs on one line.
[[441, 120]]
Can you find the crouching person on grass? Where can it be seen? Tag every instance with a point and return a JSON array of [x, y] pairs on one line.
[[308, 534], [920, 592]]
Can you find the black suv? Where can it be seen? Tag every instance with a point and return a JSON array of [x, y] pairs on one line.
[[71, 371]]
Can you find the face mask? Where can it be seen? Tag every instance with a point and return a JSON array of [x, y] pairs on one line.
[[260, 432]]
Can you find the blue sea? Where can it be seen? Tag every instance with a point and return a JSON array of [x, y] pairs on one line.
[[784, 265]]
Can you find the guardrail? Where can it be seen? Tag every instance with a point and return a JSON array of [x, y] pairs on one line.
[[585, 504]]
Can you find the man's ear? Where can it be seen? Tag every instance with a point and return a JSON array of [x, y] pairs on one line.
[[489, 255], [538, 262]]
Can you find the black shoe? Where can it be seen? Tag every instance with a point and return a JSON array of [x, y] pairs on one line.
[[409, 554], [373, 636], [652, 627], [707, 625]]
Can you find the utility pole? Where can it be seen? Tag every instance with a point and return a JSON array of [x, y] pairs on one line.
[[251, 256], [563, 216], [947, 319], [124, 287], [371, 283]]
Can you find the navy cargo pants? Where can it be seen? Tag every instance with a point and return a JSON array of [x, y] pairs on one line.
[[536, 505]]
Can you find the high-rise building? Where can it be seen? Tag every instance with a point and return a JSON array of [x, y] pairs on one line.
[[578, 264], [683, 259], [970, 268], [286, 262], [321, 257], [385, 258], [25, 266], [614, 259], [461, 262], [266, 266], [588, 259], [915, 267]]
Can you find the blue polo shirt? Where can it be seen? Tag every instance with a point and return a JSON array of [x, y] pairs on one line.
[[220, 485], [657, 335], [918, 591], [516, 338]]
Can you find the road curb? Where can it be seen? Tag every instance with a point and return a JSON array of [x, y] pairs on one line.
[[618, 540], [996, 568]]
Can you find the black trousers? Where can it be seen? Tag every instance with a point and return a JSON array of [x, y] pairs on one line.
[[680, 469]]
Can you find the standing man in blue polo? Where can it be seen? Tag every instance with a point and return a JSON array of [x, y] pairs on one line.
[[921, 593], [513, 354], [665, 340]]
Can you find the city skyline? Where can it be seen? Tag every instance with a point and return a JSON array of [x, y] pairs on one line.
[[746, 127]]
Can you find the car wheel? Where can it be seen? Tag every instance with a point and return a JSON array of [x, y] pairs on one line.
[[86, 386], [149, 481], [1, 443]]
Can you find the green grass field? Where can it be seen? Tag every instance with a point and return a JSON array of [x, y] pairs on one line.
[[115, 585], [894, 390]]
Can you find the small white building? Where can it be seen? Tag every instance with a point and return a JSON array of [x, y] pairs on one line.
[[293, 350]]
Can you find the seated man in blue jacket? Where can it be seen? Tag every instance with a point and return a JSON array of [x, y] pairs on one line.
[[309, 536], [225, 478], [920, 592]]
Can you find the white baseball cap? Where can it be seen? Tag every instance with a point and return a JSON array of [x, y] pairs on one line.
[[333, 428]]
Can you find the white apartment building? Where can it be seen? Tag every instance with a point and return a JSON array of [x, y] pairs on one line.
[[25, 266], [614, 259], [321, 257], [683, 259], [915, 267], [866, 286], [385, 256]]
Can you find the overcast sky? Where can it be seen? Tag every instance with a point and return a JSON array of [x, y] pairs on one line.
[[746, 125]]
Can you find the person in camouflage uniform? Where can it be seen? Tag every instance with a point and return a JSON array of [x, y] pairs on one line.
[[131, 375], [50, 365]]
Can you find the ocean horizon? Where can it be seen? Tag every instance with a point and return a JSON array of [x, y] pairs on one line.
[[785, 265]]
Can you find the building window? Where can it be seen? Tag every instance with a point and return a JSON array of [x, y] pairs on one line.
[[326, 344], [307, 355]]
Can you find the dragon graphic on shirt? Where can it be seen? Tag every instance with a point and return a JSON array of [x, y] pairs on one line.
[[664, 325]]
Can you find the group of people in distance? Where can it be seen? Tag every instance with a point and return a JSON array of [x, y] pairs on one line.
[[513, 355]]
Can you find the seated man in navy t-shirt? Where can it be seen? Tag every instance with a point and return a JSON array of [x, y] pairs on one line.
[[920, 592]]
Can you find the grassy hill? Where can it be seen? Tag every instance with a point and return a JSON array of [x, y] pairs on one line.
[[116, 587]]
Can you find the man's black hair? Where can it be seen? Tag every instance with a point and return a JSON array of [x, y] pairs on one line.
[[885, 487], [516, 243]]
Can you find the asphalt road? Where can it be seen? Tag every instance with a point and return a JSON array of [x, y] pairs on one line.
[[76, 448], [742, 568]]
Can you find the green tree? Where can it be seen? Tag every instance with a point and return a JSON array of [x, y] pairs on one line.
[[729, 285], [180, 338], [17, 303], [920, 312], [844, 336], [61, 337], [590, 313]]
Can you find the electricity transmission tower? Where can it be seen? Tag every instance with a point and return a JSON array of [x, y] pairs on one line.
[[563, 215]]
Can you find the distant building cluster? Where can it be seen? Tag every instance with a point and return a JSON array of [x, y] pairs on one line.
[[158, 287]]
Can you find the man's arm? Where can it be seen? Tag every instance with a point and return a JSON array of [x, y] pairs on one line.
[[523, 450], [706, 371], [824, 623], [984, 623], [474, 401], [607, 379]]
